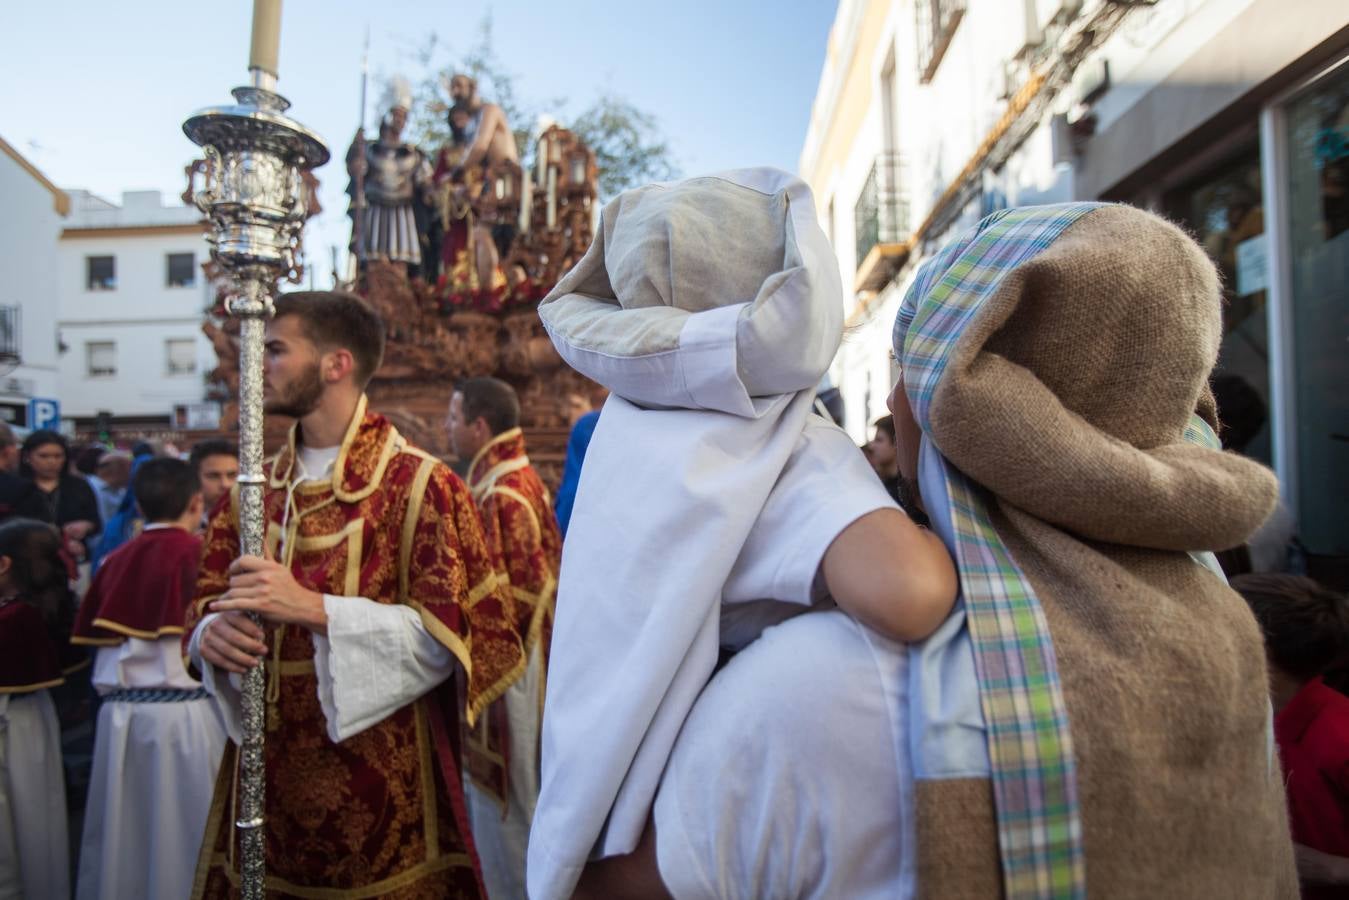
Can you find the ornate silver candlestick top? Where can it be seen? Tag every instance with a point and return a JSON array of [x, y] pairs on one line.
[[254, 196]]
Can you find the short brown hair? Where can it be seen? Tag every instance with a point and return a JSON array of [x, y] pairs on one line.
[[213, 447], [1306, 625], [335, 319], [493, 400], [885, 425]]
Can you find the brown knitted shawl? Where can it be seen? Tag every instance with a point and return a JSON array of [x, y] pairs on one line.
[[1066, 397]]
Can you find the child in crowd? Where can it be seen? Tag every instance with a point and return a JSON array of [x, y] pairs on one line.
[[1306, 629], [159, 738], [36, 609]]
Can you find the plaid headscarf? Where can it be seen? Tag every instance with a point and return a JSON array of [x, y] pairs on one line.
[[1030, 745]]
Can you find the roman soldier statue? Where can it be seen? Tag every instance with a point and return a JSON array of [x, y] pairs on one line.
[[390, 188]]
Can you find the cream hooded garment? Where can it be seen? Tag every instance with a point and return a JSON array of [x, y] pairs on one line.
[[710, 308]]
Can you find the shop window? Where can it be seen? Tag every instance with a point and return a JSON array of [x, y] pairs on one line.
[[100, 359], [1224, 210], [182, 269], [1317, 135], [180, 356], [100, 273]]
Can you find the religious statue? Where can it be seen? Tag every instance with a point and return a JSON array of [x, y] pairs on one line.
[[478, 177], [391, 189]]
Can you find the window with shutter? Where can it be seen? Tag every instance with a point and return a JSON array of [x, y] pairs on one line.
[[181, 356], [101, 358]]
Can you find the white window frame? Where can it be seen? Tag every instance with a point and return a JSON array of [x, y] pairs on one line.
[[1279, 306], [192, 269], [170, 370], [103, 372], [88, 274]]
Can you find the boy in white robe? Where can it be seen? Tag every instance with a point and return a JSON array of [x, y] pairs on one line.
[[159, 737], [36, 608]]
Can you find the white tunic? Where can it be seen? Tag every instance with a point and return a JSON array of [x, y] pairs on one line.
[[502, 835], [793, 774], [34, 849], [153, 771]]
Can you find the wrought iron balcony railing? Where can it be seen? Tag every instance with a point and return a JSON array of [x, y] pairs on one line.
[[936, 23], [881, 218]]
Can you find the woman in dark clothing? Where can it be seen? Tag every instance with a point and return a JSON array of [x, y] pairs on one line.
[[67, 501]]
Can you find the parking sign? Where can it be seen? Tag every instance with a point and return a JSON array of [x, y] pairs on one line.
[[44, 413]]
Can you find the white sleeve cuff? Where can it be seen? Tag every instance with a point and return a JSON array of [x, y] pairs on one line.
[[376, 659], [225, 691]]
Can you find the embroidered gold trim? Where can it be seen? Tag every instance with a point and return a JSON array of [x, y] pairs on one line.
[[416, 495], [128, 631], [28, 688], [544, 603], [477, 737], [485, 587], [353, 428], [207, 853], [498, 439], [82, 641], [205, 602], [352, 534], [430, 821], [288, 667], [483, 486], [513, 494], [377, 889]]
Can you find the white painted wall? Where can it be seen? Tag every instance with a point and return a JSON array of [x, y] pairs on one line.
[[942, 123], [28, 258], [139, 316]]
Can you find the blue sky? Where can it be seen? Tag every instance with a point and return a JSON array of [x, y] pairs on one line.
[[96, 92]]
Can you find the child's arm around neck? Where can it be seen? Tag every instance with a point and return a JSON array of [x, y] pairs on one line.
[[891, 575]]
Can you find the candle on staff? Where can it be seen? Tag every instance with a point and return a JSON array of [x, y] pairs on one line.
[[551, 221], [266, 44], [526, 203]]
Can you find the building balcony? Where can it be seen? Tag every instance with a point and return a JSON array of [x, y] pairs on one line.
[[936, 25], [881, 218]]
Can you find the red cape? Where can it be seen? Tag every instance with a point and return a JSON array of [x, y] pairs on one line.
[[29, 659], [142, 590]]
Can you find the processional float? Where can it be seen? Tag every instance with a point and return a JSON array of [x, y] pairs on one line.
[[254, 197]]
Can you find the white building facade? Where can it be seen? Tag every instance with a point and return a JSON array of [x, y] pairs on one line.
[[35, 211], [132, 299], [1229, 116]]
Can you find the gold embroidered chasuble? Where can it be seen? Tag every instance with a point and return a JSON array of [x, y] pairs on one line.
[[526, 544], [373, 815], [521, 531]]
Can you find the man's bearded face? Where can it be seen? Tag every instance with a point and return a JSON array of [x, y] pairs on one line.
[[461, 89], [298, 396], [292, 377]]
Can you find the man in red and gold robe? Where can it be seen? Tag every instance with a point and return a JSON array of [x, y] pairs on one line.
[[377, 588], [502, 753]]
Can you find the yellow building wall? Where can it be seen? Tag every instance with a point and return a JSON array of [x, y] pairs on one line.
[[853, 100]]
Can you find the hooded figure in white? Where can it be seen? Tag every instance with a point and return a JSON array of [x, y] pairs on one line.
[[710, 308]]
